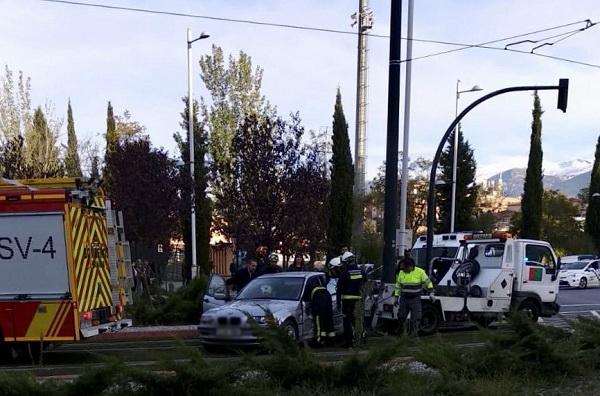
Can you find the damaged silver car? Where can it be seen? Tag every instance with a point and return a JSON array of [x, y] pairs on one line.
[[284, 297]]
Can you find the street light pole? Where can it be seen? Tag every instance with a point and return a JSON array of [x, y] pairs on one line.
[[190, 41], [455, 154], [563, 90]]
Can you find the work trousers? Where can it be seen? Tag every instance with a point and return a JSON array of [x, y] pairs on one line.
[[322, 311], [348, 310], [412, 304]]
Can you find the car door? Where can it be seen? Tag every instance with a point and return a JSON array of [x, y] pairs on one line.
[[539, 272], [338, 319], [216, 292], [306, 313], [594, 272]]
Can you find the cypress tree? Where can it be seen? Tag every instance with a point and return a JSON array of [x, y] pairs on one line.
[[466, 188], [111, 147], [111, 130], [533, 190], [72, 163], [592, 214], [339, 230]]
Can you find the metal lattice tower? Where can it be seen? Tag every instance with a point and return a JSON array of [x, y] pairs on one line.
[[364, 19]]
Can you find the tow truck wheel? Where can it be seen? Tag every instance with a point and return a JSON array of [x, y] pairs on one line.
[[583, 283], [530, 309], [430, 319]]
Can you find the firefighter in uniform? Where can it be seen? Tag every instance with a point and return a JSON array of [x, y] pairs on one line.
[[322, 311], [349, 293], [409, 287]]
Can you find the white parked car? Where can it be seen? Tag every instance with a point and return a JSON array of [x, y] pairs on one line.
[[580, 274]]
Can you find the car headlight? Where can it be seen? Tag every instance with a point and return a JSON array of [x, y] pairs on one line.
[[206, 319]]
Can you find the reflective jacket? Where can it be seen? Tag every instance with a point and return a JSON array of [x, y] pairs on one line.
[[412, 283], [350, 284]]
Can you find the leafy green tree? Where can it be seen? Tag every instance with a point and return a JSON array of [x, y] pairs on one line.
[[72, 163], [466, 188], [341, 205], [127, 128], [235, 94], [306, 203], [41, 149], [203, 204], [15, 106], [12, 161], [533, 190], [592, 215], [145, 187], [267, 154]]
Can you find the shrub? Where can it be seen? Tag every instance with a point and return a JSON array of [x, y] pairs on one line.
[[180, 307]]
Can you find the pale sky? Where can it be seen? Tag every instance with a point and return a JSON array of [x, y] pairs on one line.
[[138, 61]]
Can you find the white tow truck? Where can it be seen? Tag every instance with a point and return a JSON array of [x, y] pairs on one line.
[[491, 275]]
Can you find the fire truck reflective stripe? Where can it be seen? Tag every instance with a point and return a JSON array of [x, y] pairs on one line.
[[59, 320], [90, 253], [42, 320]]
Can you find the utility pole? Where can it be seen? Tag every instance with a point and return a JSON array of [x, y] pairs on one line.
[[364, 19], [390, 209], [404, 178]]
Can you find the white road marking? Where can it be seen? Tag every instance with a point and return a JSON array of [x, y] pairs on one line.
[[578, 305], [574, 312]]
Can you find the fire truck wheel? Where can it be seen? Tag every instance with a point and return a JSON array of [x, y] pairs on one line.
[[530, 309], [430, 319]]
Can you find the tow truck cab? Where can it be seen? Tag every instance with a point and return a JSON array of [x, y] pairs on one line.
[[493, 274]]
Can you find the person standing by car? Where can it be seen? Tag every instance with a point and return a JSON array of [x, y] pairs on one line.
[[243, 276], [272, 267], [298, 264], [348, 293], [321, 307], [409, 287]]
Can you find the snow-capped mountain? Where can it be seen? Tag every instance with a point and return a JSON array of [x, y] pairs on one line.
[[569, 169], [568, 177]]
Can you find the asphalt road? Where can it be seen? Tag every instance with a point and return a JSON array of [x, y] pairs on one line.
[[575, 303]]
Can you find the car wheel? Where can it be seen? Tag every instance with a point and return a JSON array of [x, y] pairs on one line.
[[290, 327], [530, 309], [583, 283], [430, 320]]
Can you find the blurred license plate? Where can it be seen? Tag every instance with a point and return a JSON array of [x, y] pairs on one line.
[[228, 332]]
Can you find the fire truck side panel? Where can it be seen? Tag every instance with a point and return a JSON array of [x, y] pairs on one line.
[[37, 320]]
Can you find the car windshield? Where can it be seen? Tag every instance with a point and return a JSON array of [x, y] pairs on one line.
[[273, 288], [419, 254], [574, 266]]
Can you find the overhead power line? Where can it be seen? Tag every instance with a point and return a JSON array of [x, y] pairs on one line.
[[461, 46]]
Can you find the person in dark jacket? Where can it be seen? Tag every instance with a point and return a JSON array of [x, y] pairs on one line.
[[272, 267], [321, 306], [243, 276], [348, 294], [297, 265]]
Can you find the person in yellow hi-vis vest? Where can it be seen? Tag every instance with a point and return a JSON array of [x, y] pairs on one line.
[[409, 287]]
